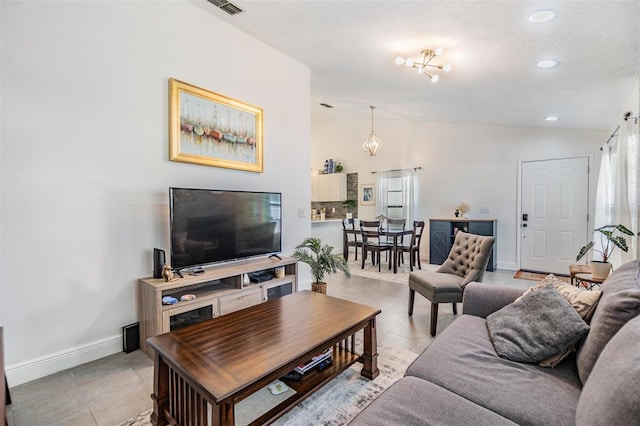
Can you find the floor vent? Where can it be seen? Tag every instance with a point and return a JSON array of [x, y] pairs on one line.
[[230, 8]]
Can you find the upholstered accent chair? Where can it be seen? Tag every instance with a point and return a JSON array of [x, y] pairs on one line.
[[467, 261]]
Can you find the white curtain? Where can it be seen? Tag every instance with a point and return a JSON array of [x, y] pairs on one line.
[[617, 189], [397, 195]]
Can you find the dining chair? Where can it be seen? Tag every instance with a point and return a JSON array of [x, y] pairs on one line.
[[371, 242], [356, 241], [414, 246]]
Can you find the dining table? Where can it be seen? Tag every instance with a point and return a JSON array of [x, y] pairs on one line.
[[394, 234]]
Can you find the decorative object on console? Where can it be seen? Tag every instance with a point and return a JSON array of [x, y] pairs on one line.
[[321, 260], [608, 242], [167, 273], [462, 210], [373, 143], [339, 168], [424, 63], [211, 129]]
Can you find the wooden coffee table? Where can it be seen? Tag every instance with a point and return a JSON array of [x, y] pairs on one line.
[[201, 372]]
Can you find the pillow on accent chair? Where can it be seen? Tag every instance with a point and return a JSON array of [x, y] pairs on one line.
[[540, 324]]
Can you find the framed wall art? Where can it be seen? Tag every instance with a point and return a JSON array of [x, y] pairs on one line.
[[211, 129], [367, 194]]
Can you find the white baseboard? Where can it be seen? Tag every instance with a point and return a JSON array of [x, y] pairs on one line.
[[509, 266], [37, 368]]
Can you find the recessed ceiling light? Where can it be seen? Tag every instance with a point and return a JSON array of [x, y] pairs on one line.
[[541, 16], [547, 63], [551, 118]]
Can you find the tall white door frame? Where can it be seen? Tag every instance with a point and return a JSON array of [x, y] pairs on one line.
[[590, 195]]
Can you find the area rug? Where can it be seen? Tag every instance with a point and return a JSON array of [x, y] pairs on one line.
[[538, 276], [340, 400], [385, 274]]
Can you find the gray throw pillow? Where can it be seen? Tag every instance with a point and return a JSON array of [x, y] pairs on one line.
[[535, 327]]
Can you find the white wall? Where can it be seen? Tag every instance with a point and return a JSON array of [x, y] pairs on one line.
[[85, 170], [474, 164]]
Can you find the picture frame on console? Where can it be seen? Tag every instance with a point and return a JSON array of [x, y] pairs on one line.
[[367, 194], [211, 129]]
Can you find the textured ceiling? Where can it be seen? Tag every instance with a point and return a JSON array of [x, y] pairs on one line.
[[350, 47]]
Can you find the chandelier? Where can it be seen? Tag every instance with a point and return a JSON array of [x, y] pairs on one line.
[[373, 143], [424, 63]]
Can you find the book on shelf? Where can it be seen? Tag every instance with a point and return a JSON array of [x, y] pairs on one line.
[[313, 362]]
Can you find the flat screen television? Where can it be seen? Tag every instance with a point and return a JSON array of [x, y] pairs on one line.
[[210, 226]]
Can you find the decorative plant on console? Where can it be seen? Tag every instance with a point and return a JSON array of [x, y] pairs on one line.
[[321, 260], [608, 241], [462, 210], [349, 204]]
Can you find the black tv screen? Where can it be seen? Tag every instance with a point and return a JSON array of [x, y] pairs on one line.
[[209, 226]]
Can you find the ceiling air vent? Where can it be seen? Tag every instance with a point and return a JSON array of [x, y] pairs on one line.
[[230, 8]]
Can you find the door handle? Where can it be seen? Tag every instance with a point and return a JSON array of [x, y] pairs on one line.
[[525, 217], [524, 225]]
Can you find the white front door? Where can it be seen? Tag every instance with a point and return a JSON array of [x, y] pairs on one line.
[[554, 208]]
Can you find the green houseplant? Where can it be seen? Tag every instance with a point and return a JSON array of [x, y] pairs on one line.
[[609, 240], [349, 205], [321, 260]]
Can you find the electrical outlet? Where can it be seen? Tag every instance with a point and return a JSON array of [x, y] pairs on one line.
[[484, 210], [301, 213]]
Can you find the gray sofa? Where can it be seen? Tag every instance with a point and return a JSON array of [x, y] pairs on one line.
[[460, 380]]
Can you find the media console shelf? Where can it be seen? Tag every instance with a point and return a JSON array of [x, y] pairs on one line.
[[219, 290]]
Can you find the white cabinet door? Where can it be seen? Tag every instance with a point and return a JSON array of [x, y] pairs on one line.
[[330, 187]]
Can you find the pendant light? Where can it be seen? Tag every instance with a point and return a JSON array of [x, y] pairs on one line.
[[372, 143]]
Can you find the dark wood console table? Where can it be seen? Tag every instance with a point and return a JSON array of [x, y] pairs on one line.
[[208, 368]]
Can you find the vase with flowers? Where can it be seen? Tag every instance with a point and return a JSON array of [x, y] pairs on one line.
[[462, 210]]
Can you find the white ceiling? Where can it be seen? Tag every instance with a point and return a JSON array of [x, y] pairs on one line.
[[350, 47]]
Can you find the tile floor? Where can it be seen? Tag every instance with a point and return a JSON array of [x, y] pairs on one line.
[[116, 388]]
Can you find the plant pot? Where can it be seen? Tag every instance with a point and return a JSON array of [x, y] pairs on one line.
[[319, 287], [600, 270]]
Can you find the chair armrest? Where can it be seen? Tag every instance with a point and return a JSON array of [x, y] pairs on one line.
[[481, 300]]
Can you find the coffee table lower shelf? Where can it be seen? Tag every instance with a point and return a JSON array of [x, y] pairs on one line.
[[342, 359]]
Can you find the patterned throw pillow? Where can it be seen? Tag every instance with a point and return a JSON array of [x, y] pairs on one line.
[[583, 301]]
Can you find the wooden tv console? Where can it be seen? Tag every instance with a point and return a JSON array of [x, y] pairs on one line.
[[219, 290]]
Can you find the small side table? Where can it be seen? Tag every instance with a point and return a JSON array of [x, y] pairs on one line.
[[588, 281]]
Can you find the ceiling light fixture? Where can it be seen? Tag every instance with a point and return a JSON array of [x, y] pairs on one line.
[[547, 63], [541, 16], [551, 118], [373, 143], [423, 64]]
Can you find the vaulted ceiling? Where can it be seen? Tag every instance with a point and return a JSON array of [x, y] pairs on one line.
[[350, 47]]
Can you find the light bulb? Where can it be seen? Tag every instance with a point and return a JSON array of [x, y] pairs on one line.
[[399, 60], [409, 62], [541, 16], [420, 69], [446, 68], [439, 50], [434, 78]]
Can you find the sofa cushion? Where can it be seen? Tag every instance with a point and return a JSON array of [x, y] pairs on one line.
[[463, 360], [612, 393], [540, 324], [413, 401], [583, 301], [620, 302]]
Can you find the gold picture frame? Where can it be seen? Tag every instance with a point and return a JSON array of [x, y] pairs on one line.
[[211, 129], [367, 194]]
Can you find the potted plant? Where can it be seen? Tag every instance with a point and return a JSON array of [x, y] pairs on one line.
[[608, 241], [349, 204], [321, 260]]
